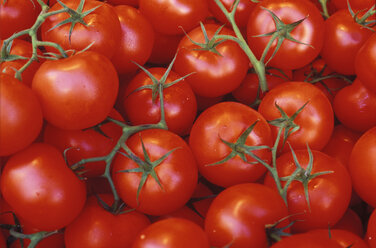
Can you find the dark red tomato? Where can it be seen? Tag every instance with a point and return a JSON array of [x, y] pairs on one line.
[[315, 121], [355, 4], [226, 122], [214, 75], [370, 236], [95, 227], [365, 63], [179, 102], [77, 92], [247, 92], [24, 49], [3, 243], [291, 54], [344, 238], [239, 215], [41, 189], [343, 39], [136, 41], [350, 221], [362, 166], [133, 3], [172, 233], [172, 17], [177, 173], [102, 31], [20, 115], [97, 185], [17, 15], [185, 213], [202, 198], [329, 194], [242, 13], [85, 144], [355, 106], [306, 240], [164, 48]]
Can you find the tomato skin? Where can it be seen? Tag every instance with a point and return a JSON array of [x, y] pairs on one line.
[[20, 115], [238, 215], [214, 75], [103, 30], [370, 236], [365, 63], [355, 4], [351, 222], [77, 92], [172, 233], [342, 237], [362, 166], [41, 189], [306, 240], [316, 120], [3, 243], [164, 48], [133, 3], [291, 55], [177, 173], [343, 39]]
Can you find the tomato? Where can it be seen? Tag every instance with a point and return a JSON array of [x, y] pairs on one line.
[[355, 106], [172, 233], [3, 243], [306, 240], [179, 101], [350, 221], [172, 17], [76, 92], [95, 227], [184, 213], [136, 42], [214, 75], [226, 122], [355, 4], [206, 102], [164, 48], [55, 240], [133, 3], [20, 115], [102, 31], [370, 236], [177, 173], [240, 213], [343, 39], [362, 166], [365, 63], [342, 237], [291, 55], [329, 194], [41, 189], [315, 121]]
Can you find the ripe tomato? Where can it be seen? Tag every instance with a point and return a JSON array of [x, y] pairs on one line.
[[164, 48], [226, 122], [291, 55], [133, 3], [177, 173], [20, 115], [370, 236], [41, 189], [306, 240], [355, 4], [365, 63], [76, 92], [350, 221], [3, 243]]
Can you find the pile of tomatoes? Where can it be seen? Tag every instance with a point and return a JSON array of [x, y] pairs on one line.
[[187, 123]]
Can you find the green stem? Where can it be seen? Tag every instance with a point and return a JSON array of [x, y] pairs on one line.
[[324, 7], [35, 238]]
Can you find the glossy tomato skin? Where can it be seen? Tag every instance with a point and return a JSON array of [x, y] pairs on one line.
[[370, 236], [214, 75], [133, 3], [177, 173], [21, 116], [95, 227], [365, 63], [180, 103], [316, 120], [41, 189], [172, 233], [342, 237], [291, 55], [362, 166], [329, 194], [306, 240], [343, 39], [76, 92], [227, 121], [355, 4], [238, 215], [102, 32], [351, 222]]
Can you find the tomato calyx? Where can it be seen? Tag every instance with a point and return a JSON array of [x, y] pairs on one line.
[[34, 238], [363, 19], [274, 233]]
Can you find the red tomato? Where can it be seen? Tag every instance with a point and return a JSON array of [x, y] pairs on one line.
[[343, 238], [41, 189], [179, 101], [164, 48], [184, 213], [350, 221], [102, 31], [306, 240], [355, 4], [20, 115], [329, 194], [95, 227], [365, 63], [362, 166], [226, 122], [371, 230], [315, 121], [3, 243], [172, 233], [177, 173], [133, 3], [214, 75], [355, 106], [291, 54], [55, 240], [172, 17], [239, 215], [77, 92]]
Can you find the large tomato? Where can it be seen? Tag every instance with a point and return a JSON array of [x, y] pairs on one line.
[[306, 240], [344, 238], [365, 63], [40, 187], [76, 92], [370, 236]]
